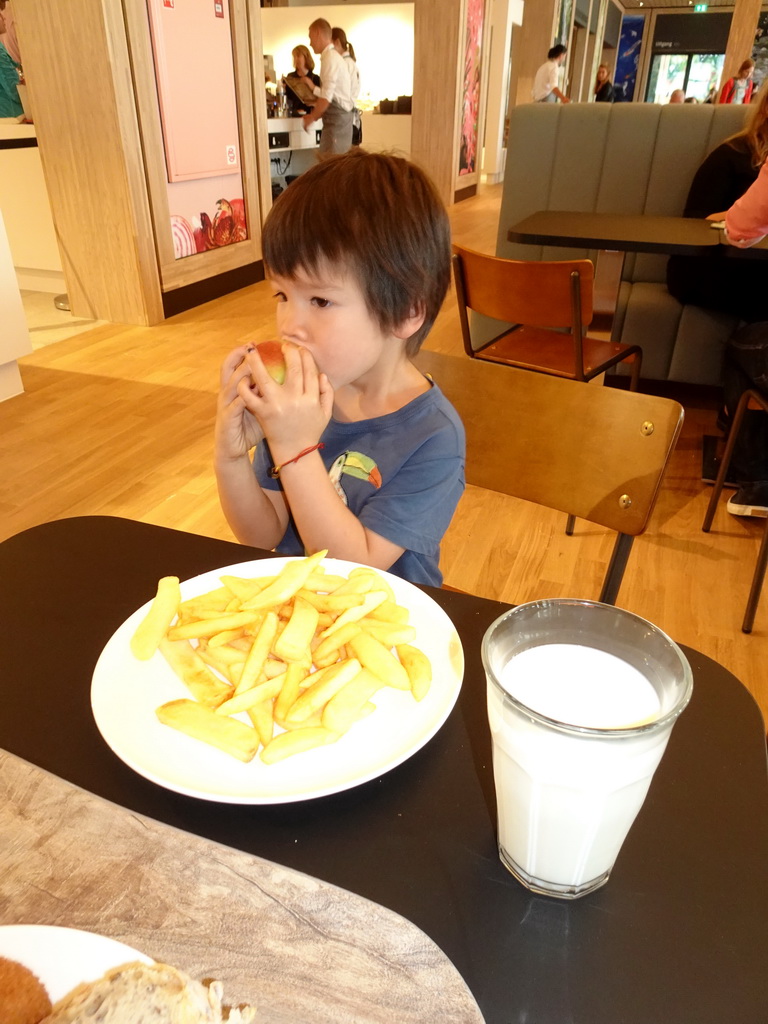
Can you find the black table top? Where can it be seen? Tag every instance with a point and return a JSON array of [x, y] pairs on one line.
[[677, 935], [627, 232]]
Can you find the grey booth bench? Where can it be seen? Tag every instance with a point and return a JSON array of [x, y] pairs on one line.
[[623, 158]]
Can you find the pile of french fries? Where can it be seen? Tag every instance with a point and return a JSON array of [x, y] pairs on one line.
[[300, 653]]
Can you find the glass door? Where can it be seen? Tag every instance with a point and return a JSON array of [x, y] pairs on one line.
[[703, 75], [668, 72], [697, 74]]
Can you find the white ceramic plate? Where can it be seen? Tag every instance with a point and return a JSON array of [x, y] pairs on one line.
[[125, 693], [63, 957]]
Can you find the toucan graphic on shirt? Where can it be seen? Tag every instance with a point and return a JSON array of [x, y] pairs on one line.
[[357, 465]]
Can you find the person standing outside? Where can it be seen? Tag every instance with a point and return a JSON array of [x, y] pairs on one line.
[[546, 88], [334, 104], [739, 88]]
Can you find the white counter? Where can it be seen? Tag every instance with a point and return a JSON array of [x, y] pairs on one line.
[[26, 211], [14, 337]]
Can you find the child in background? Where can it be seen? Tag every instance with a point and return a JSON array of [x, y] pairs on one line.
[[356, 451]]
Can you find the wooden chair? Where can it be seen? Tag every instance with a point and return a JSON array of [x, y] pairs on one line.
[[537, 297], [598, 453], [750, 399]]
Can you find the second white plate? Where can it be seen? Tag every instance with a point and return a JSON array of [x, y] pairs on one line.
[[64, 957]]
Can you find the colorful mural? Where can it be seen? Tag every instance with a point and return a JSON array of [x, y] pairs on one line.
[[470, 107], [625, 80]]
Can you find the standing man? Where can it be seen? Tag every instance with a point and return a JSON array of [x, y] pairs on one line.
[[546, 87], [335, 104]]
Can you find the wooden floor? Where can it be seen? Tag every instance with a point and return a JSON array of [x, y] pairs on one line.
[[119, 421]]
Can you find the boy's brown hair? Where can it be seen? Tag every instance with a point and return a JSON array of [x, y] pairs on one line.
[[380, 218]]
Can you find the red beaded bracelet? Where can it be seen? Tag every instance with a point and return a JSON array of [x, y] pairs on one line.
[[275, 471]]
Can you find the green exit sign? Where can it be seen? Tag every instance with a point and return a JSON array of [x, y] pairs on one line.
[[699, 7]]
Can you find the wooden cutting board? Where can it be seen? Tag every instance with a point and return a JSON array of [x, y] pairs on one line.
[[299, 949]]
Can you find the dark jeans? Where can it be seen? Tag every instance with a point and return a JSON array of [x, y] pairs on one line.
[[746, 366]]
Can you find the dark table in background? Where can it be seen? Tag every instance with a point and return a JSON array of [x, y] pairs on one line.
[[625, 232], [679, 935]]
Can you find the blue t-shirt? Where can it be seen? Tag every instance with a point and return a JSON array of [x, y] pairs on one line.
[[401, 474]]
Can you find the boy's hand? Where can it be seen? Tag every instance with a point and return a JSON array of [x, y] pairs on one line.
[[236, 429], [292, 415]]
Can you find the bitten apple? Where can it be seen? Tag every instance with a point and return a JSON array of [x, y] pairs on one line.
[[272, 356]]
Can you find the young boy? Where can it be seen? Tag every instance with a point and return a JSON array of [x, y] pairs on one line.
[[356, 451]]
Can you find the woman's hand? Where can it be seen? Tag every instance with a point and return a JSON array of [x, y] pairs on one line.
[[292, 415], [236, 429]]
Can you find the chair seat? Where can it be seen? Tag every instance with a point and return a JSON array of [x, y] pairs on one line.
[[536, 348]]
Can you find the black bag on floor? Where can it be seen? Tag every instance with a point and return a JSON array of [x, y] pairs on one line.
[[746, 366]]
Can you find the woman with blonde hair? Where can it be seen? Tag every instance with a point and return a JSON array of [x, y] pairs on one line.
[[603, 85], [304, 71], [714, 281]]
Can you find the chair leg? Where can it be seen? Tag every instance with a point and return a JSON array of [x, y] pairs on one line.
[[637, 362], [725, 463], [570, 523], [757, 584], [616, 567]]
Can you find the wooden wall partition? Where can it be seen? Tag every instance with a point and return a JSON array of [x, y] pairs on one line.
[[741, 37], [178, 273], [90, 70], [438, 77], [78, 73], [535, 37]]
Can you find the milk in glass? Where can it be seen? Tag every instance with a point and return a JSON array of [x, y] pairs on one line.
[[566, 800]]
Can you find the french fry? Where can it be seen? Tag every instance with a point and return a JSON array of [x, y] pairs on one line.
[[389, 633], [209, 627], [327, 651], [248, 699], [204, 685], [286, 744], [331, 602], [343, 709], [319, 693], [291, 578], [388, 611], [155, 623], [258, 654], [244, 589], [323, 582], [377, 658], [379, 583], [229, 669], [261, 716], [370, 601], [418, 667], [293, 642], [225, 637], [360, 584], [201, 723], [291, 687]]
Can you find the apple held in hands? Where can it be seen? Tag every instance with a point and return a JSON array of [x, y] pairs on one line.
[[271, 353]]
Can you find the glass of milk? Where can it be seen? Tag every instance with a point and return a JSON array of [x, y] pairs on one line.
[[582, 698]]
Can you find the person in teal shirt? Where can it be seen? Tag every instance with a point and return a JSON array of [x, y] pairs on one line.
[[10, 104]]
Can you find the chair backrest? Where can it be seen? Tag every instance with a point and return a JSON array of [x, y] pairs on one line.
[[539, 294], [595, 452]]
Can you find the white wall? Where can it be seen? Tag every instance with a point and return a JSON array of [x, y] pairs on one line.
[[381, 34]]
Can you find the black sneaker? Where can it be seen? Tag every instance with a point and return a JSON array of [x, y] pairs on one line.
[[750, 500]]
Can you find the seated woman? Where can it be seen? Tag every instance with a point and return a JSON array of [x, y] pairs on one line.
[[603, 86], [715, 281], [304, 72]]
